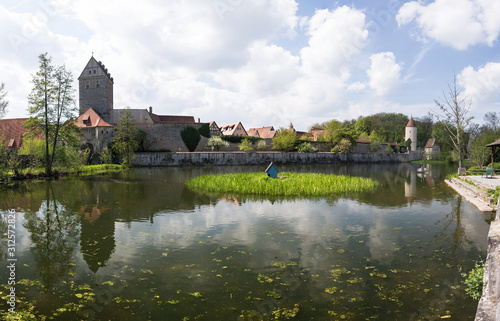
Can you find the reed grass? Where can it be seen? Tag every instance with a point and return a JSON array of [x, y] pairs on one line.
[[287, 184]]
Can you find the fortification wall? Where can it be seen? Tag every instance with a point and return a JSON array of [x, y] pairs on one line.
[[256, 158], [488, 308]]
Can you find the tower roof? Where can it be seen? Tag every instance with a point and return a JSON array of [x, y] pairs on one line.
[[95, 68], [411, 123]]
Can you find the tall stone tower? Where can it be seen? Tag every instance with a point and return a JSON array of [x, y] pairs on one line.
[[411, 133], [96, 89]]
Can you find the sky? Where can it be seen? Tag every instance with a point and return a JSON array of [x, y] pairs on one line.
[[262, 62]]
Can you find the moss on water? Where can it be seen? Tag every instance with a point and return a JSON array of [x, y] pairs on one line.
[[287, 184]]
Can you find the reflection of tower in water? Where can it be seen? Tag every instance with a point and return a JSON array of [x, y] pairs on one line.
[[411, 188], [97, 239]]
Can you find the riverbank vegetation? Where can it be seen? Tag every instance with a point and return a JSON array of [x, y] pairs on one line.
[[287, 184]]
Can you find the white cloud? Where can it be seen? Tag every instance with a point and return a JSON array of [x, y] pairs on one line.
[[482, 85], [336, 37], [455, 23], [384, 73]]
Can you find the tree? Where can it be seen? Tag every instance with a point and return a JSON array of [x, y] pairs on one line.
[[3, 102], [454, 109], [492, 121], [125, 141], [285, 139], [191, 137], [51, 107]]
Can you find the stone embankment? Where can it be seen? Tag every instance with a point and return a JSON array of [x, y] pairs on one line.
[[474, 193], [488, 308], [258, 158]]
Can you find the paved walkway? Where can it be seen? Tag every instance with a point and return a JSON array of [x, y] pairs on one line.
[[486, 182], [475, 195]]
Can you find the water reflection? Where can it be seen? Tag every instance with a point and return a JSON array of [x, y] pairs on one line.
[[384, 255]]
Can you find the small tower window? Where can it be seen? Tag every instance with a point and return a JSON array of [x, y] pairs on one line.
[[87, 85], [94, 71], [90, 72], [97, 84]]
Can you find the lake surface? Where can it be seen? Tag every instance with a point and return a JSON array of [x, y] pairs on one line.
[[140, 246]]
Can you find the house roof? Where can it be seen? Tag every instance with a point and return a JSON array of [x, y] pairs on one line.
[[91, 119], [431, 143], [172, 119], [411, 123], [496, 143], [12, 131], [263, 132], [253, 132], [230, 129], [98, 66]]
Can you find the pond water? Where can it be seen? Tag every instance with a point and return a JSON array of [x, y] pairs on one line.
[[138, 245]]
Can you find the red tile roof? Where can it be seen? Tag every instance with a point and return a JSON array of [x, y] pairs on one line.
[[12, 131], [91, 119], [411, 123], [172, 119], [431, 143], [263, 132]]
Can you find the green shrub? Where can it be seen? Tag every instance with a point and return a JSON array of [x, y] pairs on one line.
[[246, 145], [375, 146], [239, 139], [306, 148], [389, 149], [261, 145], [285, 139], [216, 143], [205, 130], [474, 281], [106, 156], [191, 137]]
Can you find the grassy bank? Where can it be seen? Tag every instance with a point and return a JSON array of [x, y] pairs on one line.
[[287, 184], [39, 172]]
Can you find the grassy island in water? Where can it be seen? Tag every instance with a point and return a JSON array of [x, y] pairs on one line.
[[287, 184]]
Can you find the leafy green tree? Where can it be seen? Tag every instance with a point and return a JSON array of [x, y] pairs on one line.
[[204, 130], [363, 125], [216, 143], [424, 130], [407, 144], [389, 149], [51, 108], [125, 141], [3, 102], [454, 108], [246, 145], [285, 139], [191, 137]]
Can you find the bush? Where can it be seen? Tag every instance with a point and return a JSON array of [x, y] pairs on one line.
[[474, 281], [261, 145], [344, 146], [216, 143], [191, 137], [239, 139], [389, 149], [375, 147], [205, 130], [306, 148], [246, 145], [106, 156]]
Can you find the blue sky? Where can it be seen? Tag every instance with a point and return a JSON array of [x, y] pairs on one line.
[[263, 62]]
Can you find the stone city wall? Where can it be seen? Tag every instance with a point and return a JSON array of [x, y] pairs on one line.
[[488, 308], [257, 158]]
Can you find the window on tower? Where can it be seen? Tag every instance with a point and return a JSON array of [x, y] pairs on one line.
[[95, 71], [97, 84], [87, 85], [90, 72]]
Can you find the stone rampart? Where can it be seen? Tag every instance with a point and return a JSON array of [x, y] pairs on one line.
[[488, 308], [257, 158]]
